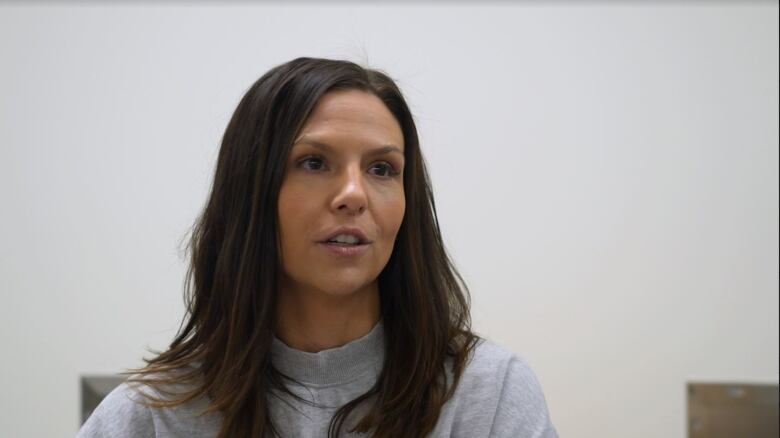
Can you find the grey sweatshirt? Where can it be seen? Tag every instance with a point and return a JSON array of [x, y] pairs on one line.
[[498, 396]]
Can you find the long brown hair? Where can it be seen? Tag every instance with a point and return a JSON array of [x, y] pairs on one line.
[[222, 348]]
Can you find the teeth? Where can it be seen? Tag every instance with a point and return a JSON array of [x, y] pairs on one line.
[[345, 238]]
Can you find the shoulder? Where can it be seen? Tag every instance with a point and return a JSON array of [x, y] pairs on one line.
[[120, 414], [500, 372], [124, 412], [490, 360], [500, 393]]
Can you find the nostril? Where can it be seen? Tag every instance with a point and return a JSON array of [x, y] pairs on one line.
[[360, 209]]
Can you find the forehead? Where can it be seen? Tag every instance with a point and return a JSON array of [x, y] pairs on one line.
[[352, 116]]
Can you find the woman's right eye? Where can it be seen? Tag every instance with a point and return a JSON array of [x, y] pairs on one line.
[[312, 163]]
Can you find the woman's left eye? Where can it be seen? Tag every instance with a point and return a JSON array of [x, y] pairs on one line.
[[384, 169]]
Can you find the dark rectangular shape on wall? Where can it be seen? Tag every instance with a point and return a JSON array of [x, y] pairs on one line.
[[729, 410]]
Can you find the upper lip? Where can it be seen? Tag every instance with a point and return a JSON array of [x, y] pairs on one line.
[[351, 231]]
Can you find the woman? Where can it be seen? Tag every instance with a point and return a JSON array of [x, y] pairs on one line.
[[321, 301]]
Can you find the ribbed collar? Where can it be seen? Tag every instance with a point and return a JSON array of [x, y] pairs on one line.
[[333, 366]]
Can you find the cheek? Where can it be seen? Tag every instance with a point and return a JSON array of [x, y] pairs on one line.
[[291, 213], [393, 216]]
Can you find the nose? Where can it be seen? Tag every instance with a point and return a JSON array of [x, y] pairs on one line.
[[351, 197]]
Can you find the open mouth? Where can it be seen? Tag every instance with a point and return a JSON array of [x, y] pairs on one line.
[[353, 248], [345, 240]]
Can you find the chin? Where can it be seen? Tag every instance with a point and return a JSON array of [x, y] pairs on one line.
[[345, 285], [344, 289], [338, 284]]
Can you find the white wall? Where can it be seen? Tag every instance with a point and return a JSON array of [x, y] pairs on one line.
[[606, 177]]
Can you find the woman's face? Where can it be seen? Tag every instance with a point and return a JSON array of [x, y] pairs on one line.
[[345, 171]]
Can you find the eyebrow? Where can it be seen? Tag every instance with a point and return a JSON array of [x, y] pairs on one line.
[[387, 148]]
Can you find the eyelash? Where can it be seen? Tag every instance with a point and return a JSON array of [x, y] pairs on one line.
[[390, 169]]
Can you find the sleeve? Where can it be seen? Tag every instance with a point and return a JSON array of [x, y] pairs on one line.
[[119, 415], [522, 409]]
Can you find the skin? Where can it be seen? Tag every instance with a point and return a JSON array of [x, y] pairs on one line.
[[326, 301]]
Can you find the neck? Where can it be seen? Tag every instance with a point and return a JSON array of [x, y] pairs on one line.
[[311, 320]]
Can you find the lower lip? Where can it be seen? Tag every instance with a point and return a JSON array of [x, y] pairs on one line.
[[345, 250]]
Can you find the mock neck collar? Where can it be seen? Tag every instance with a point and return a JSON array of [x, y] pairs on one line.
[[335, 365]]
